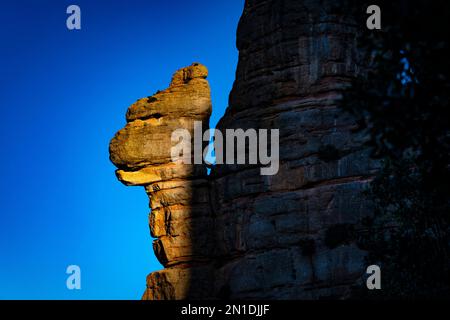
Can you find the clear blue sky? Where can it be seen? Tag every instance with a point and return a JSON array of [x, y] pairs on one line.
[[63, 95]]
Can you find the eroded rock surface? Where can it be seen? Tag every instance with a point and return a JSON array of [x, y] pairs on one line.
[[178, 192], [238, 234], [295, 58]]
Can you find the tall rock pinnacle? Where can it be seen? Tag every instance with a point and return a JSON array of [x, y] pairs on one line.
[[178, 192], [235, 233]]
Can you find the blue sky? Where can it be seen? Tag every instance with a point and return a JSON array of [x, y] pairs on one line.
[[63, 95]]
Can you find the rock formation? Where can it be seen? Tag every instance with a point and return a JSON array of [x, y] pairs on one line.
[[235, 233], [178, 192]]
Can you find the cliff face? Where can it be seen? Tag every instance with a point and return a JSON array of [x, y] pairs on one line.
[[237, 233], [295, 58]]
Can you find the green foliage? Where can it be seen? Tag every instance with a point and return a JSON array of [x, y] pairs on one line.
[[402, 103]]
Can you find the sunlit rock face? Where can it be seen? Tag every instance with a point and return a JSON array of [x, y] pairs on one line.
[[178, 192], [236, 233]]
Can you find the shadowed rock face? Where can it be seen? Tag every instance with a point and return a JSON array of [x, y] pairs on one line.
[[236, 233]]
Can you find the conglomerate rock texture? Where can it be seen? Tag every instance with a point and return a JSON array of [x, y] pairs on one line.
[[235, 233]]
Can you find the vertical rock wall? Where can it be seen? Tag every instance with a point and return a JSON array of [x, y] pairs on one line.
[[295, 58]]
